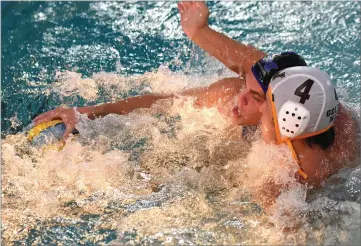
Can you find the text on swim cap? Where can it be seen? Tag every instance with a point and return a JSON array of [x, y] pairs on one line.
[[332, 113]]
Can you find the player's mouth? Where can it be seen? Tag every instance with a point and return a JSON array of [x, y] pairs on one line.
[[236, 112]]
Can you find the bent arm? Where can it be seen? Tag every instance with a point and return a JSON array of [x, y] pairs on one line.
[[236, 56]]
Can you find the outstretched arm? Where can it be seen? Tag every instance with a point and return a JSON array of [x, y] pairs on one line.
[[236, 56], [210, 96]]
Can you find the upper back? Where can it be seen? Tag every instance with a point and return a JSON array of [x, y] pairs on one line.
[[319, 164]]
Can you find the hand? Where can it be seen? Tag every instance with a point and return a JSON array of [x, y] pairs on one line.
[[67, 115], [194, 16], [267, 123]]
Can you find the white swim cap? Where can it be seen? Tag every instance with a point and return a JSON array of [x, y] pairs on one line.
[[304, 102]]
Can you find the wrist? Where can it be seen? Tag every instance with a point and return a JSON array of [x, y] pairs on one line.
[[89, 111], [197, 32]]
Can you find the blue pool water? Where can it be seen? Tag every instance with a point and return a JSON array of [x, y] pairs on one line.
[[39, 38], [128, 43]]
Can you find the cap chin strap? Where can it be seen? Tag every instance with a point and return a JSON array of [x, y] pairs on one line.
[[287, 140], [292, 135], [294, 155]]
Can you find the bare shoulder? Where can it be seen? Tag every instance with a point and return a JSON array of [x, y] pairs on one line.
[[228, 85], [347, 135], [217, 93], [344, 152]]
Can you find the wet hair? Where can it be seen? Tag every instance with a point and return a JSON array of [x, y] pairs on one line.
[[283, 61], [289, 59], [323, 140]]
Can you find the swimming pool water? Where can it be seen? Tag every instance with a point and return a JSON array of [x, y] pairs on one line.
[[95, 191], [40, 38]]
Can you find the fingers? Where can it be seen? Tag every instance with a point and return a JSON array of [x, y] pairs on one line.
[[51, 115], [200, 4], [45, 114], [40, 116], [186, 5], [180, 8], [68, 130]]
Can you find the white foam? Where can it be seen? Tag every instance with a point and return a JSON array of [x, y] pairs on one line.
[[171, 172]]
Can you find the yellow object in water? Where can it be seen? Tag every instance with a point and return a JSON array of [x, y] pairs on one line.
[[58, 146], [47, 135], [36, 130]]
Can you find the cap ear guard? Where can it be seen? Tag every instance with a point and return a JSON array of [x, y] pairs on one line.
[[310, 91], [293, 119]]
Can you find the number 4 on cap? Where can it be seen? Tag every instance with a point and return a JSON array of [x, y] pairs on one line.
[[306, 87]]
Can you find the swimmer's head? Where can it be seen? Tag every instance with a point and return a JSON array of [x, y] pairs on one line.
[[246, 111], [301, 103]]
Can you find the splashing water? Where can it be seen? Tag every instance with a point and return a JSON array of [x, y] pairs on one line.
[[173, 174]]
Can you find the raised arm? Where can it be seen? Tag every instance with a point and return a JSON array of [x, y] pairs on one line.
[[236, 56]]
